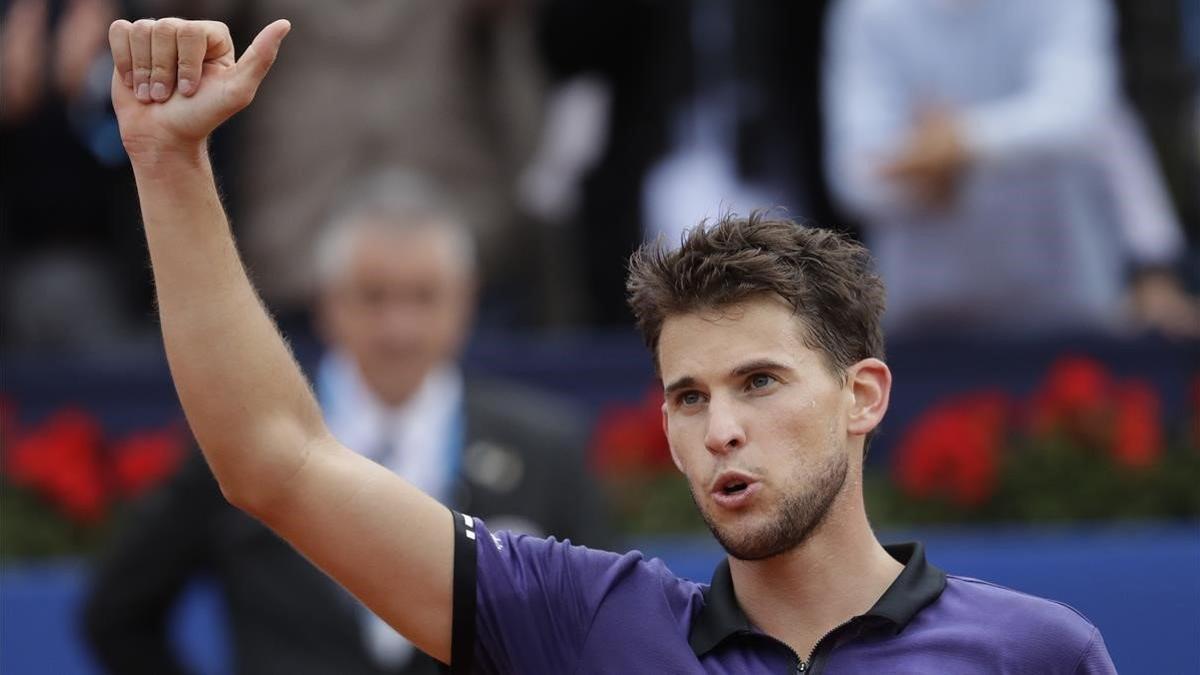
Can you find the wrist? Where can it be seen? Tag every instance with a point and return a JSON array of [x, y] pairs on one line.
[[162, 162], [152, 156]]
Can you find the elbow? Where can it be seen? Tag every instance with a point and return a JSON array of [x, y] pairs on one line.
[[262, 479], [251, 496], [859, 189], [237, 496]]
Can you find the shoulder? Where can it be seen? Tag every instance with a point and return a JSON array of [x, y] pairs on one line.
[[999, 602], [1039, 632], [605, 574], [541, 602]]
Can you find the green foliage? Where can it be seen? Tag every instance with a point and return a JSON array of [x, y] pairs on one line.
[[28, 529], [653, 502]]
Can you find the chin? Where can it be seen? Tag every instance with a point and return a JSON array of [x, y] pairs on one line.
[[746, 534], [748, 537], [767, 529]]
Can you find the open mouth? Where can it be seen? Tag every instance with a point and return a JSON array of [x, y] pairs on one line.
[[732, 483], [735, 490], [734, 487]]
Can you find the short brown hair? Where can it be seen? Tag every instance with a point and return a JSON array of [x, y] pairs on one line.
[[826, 277]]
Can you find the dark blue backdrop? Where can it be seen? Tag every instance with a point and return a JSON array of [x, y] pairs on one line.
[[1140, 583]]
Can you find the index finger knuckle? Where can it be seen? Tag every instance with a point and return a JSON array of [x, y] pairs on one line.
[[165, 28], [119, 29], [217, 29]]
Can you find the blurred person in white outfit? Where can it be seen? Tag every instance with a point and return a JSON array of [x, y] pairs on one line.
[[1003, 185]]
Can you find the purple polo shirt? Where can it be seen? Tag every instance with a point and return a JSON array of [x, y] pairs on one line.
[[527, 605]]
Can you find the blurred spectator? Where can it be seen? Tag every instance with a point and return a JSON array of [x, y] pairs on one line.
[[749, 134], [397, 285], [1164, 89], [704, 106], [72, 260], [1003, 184], [452, 88], [631, 60], [778, 48]]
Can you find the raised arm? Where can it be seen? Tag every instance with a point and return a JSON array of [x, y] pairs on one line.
[[246, 400]]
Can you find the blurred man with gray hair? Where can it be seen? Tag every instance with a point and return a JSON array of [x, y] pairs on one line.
[[396, 275]]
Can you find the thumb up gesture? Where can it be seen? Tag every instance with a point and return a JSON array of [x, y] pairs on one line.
[[174, 81]]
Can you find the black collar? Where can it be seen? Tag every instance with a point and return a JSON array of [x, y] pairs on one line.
[[918, 585]]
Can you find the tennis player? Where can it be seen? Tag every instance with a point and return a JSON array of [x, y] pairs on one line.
[[767, 339]]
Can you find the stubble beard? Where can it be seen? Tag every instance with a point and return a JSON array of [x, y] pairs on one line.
[[799, 515]]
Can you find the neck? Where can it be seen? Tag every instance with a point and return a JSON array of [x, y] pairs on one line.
[[838, 573]]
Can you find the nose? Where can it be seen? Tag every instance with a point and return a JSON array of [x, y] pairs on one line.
[[400, 317], [724, 432]]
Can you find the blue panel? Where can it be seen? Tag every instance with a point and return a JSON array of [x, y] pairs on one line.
[[40, 626]]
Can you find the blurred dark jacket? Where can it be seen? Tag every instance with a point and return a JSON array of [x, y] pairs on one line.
[[523, 464]]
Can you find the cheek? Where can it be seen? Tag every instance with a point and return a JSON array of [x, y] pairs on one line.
[[682, 439], [360, 336], [804, 426]]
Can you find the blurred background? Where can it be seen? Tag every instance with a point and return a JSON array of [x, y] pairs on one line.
[[437, 198]]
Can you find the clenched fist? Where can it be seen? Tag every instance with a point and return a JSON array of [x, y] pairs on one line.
[[174, 81]]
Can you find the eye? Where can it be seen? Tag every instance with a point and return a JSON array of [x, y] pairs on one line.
[[372, 297], [689, 398], [759, 381]]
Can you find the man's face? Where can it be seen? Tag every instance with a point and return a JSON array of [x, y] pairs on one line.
[[756, 422], [399, 308]]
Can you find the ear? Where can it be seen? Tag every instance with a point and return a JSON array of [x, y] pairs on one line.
[[670, 445], [870, 383]]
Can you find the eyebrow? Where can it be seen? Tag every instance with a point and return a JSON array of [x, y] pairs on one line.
[[757, 365], [747, 368], [682, 383]]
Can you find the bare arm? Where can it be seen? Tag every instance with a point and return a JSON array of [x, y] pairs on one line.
[[245, 399]]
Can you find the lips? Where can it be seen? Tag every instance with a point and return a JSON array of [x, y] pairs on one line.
[[733, 489]]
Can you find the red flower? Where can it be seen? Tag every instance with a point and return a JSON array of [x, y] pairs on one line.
[[629, 439], [953, 450], [1074, 399], [1137, 433], [144, 459], [60, 459]]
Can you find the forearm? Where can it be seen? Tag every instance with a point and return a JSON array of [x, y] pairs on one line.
[[861, 190], [244, 396], [1070, 86], [259, 425], [248, 404]]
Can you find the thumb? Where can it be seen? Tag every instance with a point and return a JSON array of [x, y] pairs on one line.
[[261, 53]]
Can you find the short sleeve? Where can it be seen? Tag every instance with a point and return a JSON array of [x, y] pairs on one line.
[[533, 600], [1095, 659]]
